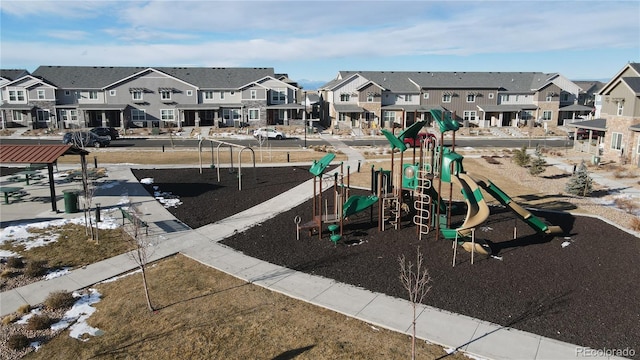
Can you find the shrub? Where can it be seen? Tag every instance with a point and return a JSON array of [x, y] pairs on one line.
[[15, 262], [7, 273], [39, 322], [538, 164], [635, 224], [36, 268], [580, 183], [9, 319], [18, 342], [59, 300], [520, 157], [24, 309], [627, 205]]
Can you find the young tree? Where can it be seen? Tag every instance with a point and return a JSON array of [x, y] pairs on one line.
[[520, 157], [538, 164], [580, 183], [142, 248], [415, 278]]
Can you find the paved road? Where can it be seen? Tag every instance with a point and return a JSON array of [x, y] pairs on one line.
[[556, 142]]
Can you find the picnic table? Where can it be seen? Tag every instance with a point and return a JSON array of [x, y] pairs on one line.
[[28, 174], [8, 190]]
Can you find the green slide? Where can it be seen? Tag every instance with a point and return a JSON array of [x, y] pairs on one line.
[[536, 223], [444, 122], [357, 203]]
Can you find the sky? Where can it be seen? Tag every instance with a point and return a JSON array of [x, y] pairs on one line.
[[312, 40]]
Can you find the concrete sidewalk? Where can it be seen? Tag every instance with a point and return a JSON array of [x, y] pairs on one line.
[[453, 331]]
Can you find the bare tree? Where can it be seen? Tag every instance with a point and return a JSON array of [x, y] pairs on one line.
[[415, 279], [142, 248]]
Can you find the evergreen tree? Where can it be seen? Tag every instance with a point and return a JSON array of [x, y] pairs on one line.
[[538, 164], [580, 183], [521, 157]]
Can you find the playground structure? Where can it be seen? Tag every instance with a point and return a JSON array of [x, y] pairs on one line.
[[343, 204], [444, 166], [418, 186], [231, 146]]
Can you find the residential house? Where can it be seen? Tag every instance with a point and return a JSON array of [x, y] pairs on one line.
[[27, 102], [621, 113], [7, 76], [370, 99], [89, 96]]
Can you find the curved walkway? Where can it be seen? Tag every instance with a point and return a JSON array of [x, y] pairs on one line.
[[462, 333]]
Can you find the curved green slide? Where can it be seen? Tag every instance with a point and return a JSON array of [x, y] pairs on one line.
[[357, 203], [536, 223]]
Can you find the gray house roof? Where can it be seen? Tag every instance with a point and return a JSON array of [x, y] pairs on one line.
[[634, 83], [595, 124], [97, 77], [13, 74], [413, 81]]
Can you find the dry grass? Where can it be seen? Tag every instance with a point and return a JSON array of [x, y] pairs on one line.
[[201, 317], [192, 157]]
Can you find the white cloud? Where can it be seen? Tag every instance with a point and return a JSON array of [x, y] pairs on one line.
[[67, 34]]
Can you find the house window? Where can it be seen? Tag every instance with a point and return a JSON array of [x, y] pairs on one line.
[[67, 93], [112, 93], [69, 115], [342, 117], [136, 95], [93, 95], [253, 94], [254, 114], [527, 115], [165, 95], [469, 115], [42, 115], [620, 108], [41, 95], [490, 95], [344, 97], [16, 95], [231, 114], [446, 98], [278, 95], [425, 96], [616, 141], [370, 97], [471, 98], [17, 115], [564, 97], [517, 98], [549, 97], [408, 97], [546, 115], [389, 116], [138, 115], [189, 92], [221, 95], [208, 95], [167, 114]]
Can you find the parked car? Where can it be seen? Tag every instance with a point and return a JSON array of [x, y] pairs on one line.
[[411, 142], [112, 133], [268, 133], [85, 139]]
